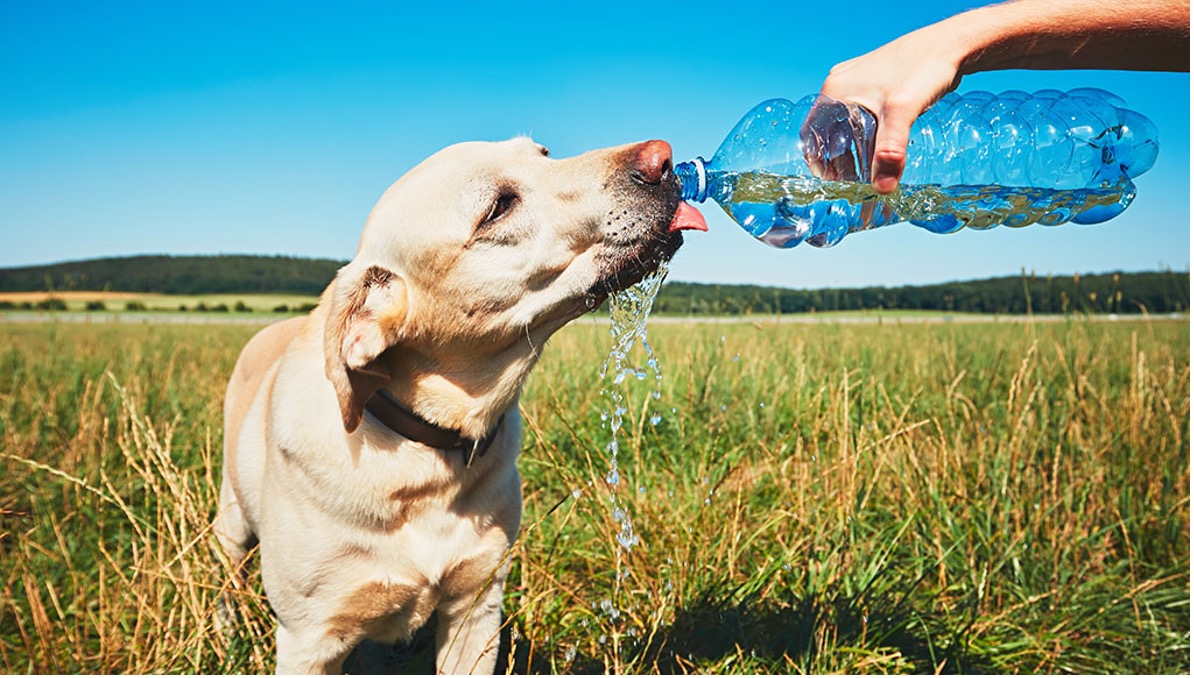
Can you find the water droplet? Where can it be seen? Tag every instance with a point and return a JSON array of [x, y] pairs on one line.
[[628, 540]]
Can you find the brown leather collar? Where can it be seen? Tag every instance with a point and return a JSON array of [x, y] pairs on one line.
[[410, 425]]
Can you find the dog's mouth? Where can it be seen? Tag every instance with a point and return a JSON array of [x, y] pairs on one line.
[[629, 261]]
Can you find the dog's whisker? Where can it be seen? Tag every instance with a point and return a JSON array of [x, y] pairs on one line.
[[530, 342]]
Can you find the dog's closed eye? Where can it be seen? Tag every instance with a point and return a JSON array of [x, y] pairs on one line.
[[505, 201]]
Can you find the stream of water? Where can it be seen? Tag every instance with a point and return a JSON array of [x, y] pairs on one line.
[[629, 311]]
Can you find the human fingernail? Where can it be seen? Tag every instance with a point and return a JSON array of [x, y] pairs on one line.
[[886, 183]]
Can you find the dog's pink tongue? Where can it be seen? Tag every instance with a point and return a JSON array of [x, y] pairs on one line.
[[687, 219]]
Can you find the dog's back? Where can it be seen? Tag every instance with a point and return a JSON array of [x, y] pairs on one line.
[[258, 360]]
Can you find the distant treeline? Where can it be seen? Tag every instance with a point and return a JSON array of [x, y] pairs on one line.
[[221, 274], [1166, 292], [1162, 292]]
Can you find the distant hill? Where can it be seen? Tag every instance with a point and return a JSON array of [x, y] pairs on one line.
[[219, 274], [1153, 292]]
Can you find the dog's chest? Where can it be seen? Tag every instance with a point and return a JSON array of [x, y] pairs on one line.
[[399, 580], [384, 610]]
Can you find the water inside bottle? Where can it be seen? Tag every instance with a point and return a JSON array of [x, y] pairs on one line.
[[787, 210]]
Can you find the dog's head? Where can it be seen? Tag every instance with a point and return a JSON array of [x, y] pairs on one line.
[[477, 255]]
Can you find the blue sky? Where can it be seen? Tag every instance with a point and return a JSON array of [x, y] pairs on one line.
[[198, 128]]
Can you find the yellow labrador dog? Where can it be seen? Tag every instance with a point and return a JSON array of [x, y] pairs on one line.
[[370, 447]]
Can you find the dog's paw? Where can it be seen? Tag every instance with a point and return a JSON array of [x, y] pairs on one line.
[[227, 617]]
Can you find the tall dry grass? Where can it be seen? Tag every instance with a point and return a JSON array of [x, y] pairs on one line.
[[869, 499], [110, 471], [901, 498]]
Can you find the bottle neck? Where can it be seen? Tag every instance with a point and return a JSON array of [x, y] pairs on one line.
[[693, 180]]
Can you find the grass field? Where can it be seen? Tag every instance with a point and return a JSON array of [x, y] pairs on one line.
[[815, 499]]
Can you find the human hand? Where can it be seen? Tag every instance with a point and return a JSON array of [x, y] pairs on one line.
[[896, 82], [901, 79]]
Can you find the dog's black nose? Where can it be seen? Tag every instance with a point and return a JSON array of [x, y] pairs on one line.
[[652, 161]]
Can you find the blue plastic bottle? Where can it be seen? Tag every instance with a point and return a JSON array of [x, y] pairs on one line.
[[800, 172]]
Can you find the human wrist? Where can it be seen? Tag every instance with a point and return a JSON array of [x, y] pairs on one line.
[[979, 38]]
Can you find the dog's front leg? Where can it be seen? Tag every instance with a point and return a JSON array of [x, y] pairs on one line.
[[468, 631], [308, 651]]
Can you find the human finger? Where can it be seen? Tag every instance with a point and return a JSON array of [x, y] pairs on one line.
[[891, 146]]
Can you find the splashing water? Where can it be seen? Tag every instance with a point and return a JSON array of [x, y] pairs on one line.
[[629, 310]]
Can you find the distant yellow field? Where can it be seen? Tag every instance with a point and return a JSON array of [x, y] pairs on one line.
[[77, 300], [34, 297]]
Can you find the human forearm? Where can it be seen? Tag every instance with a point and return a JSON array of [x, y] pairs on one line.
[[1053, 34]]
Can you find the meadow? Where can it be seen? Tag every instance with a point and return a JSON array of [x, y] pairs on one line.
[[897, 498]]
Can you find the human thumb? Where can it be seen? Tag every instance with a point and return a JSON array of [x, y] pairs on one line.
[[891, 149]]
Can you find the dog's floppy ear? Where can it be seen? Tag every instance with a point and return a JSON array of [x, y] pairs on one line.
[[367, 316]]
